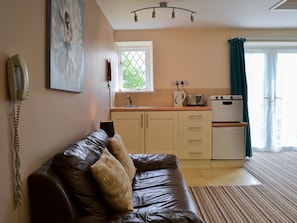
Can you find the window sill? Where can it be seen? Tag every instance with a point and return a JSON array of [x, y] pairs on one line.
[[135, 91]]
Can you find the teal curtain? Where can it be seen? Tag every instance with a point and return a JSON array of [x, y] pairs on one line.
[[239, 83]]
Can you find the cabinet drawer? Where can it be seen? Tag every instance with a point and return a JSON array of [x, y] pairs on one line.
[[195, 127], [195, 140], [194, 153], [187, 116]]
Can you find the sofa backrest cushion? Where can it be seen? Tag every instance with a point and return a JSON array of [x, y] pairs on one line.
[[73, 165], [119, 150]]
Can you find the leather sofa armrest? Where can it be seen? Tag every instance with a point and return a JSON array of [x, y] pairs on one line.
[[49, 199], [145, 162]]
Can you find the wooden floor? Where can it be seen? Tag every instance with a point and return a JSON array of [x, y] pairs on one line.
[[220, 176]]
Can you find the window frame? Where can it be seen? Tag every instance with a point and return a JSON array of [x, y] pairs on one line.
[[147, 46]]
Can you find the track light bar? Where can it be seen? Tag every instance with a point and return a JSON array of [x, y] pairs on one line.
[[163, 5]]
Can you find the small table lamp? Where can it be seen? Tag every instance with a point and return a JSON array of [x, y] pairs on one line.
[[107, 126]]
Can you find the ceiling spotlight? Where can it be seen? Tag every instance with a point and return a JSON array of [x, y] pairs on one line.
[[154, 14], [135, 17], [163, 5], [173, 14]]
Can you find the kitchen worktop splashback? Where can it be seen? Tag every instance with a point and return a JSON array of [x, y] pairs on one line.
[[162, 97]]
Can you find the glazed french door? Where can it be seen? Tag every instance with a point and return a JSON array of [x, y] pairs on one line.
[[272, 96]]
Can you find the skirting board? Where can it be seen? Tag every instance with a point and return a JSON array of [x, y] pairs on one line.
[[204, 163], [227, 163]]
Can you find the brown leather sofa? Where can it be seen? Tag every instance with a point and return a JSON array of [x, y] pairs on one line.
[[63, 189]]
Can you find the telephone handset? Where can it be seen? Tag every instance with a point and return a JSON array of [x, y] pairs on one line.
[[18, 80]]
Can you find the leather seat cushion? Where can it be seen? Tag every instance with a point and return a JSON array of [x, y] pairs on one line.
[[161, 189]]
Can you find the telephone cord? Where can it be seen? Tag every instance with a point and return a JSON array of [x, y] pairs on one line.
[[18, 192]]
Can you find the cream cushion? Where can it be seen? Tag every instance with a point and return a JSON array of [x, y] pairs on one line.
[[113, 182], [120, 152]]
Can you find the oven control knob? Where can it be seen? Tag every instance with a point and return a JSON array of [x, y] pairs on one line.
[[231, 97], [217, 97], [222, 97]]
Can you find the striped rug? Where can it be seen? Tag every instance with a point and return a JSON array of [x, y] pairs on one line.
[[275, 200]]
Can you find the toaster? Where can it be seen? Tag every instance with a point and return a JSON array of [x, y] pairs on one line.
[[194, 100]]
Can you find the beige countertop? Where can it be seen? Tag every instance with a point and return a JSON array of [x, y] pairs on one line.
[[229, 124], [161, 108]]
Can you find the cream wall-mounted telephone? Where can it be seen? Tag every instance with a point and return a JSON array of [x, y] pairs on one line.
[[18, 80], [18, 83]]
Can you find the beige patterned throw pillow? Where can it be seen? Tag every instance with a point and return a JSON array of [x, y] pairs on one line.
[[113, 182], [120, 152]]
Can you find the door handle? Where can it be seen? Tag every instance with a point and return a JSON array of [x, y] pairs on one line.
[[146, 120], [141, 117]]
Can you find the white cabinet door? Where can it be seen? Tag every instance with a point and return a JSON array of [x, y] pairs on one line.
[[161, 132], [130, 126], [228, 142]]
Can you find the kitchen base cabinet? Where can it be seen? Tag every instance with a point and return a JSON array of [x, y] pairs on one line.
[[186, 134], [147, 132], [129, 125], [195, 135]]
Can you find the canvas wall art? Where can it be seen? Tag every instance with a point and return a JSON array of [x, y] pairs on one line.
[[65, 45]]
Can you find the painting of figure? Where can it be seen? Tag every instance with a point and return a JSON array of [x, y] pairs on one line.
[[65, 45]]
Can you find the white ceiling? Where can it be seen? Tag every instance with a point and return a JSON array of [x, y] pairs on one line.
[[210, 13]]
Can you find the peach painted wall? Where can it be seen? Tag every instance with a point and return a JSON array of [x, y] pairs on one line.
[[200, 56], [50, 119]]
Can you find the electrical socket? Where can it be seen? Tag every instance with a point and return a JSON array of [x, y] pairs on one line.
[[173, 83], [180, 82], [184, 82]]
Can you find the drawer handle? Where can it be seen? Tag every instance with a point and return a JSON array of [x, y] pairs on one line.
[[194, 153], [194, 140], [195, 116], [195, 128]]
